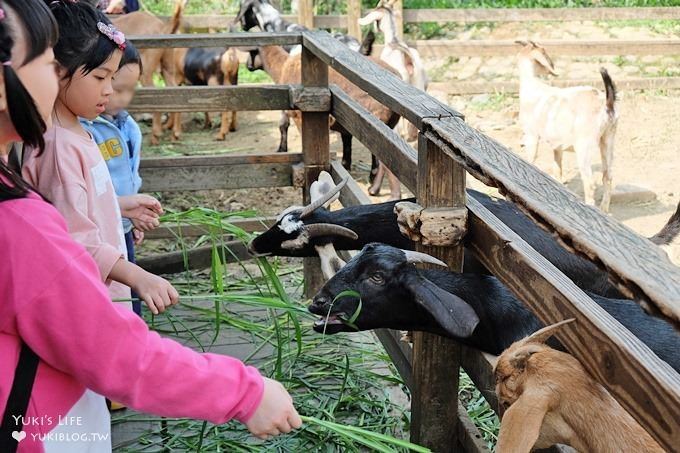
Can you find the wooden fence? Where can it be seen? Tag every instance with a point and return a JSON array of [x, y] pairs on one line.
[[448, 149]]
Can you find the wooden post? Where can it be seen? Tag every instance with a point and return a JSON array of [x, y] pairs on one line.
[[436, 360], [398, 7], [315, 149], [306, 13], [353, 16]]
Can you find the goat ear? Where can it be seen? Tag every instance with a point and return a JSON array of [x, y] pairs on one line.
[[521, 424], [542, 335], [371, 17], [323, 185], [520, 357], [521, 43], [451, 312], [544, 60]]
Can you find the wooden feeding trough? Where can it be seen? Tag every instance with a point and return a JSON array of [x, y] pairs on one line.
[[448, 149]]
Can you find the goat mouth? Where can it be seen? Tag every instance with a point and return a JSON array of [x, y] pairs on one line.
[[330, 324]]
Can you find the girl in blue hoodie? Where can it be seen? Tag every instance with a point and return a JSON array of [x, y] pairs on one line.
[[120, 141]]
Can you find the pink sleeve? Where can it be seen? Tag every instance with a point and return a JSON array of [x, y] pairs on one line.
[[71, 201], [71, 324]]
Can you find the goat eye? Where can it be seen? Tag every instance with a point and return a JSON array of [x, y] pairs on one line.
[[378, 279]]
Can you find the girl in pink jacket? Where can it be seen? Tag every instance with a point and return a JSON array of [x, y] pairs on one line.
[[56, 313]]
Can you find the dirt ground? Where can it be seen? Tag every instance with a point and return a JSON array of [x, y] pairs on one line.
[[646, 151]]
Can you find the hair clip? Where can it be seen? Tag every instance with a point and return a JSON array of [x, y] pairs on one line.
[[113, 34], [2, 14], [7, 63]]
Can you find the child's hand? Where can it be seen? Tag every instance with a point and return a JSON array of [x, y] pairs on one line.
[[156, 292], [275, 414], [138, 236], [144, 226], [142, 208]]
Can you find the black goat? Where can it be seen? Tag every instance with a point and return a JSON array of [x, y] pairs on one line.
[[477, 310], [378, 223]]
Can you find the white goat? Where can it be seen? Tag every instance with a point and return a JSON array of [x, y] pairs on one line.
[[396, 53], [579, 118]]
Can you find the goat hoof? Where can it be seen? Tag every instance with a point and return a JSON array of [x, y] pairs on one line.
[[374, 192], [155, 141], [347, 165], [220, 137], [232, 128]]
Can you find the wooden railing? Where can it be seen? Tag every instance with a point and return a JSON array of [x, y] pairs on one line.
[[448, 149]]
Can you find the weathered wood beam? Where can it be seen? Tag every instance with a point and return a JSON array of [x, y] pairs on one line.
[[382, 85], [170, 231], [218, 172], [215, 40], [198, 258], [315, 148]]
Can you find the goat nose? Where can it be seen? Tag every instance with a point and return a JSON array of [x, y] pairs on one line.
[[319, 303]]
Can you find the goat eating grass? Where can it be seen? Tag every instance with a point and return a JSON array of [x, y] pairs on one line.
[[550, 398], [580, 118]]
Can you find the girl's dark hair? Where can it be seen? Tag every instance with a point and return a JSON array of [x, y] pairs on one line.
[[131, 56], [40, 32], [80, 44]]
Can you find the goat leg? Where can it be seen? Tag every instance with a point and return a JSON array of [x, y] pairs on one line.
[[224, 127], [375, 166], [374, 190], [346, 151], [284, 123], [207, 123], [395, 185]]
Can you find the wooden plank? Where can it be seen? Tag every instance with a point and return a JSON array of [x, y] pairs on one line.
[[469, 437], [315, 148], [539, 14], [638, 83], [221, 98], [638, 268], [218, 172], [306, 13], [351, 194], [469, 15], [353, 16], [436, 360], [384, 86], [198, 258], [215, 40], [479, 368], [435, 48], [172, 231], [645, 385], [382, 141], [211, 99]]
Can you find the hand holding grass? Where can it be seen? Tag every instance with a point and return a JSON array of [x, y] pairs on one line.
[[276, 414], [156, 292]]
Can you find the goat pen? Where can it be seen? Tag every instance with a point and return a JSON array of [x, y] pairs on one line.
[[448, 149]]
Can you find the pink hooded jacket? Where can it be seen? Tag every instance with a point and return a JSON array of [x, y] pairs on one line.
[[52, 298]]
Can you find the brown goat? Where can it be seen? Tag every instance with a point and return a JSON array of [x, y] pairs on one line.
[[287, 69], [551, 399], [155, 60]]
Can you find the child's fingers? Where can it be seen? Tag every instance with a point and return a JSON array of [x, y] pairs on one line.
[[174, 295], [149, 303]]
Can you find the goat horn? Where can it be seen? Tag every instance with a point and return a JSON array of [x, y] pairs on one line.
[[330, 229], [307, 210], [542, 335], [418, 257]]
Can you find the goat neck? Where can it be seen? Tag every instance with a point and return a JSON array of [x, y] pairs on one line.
[[389, 27], [528, 80], [503, 319], [274, 58]]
